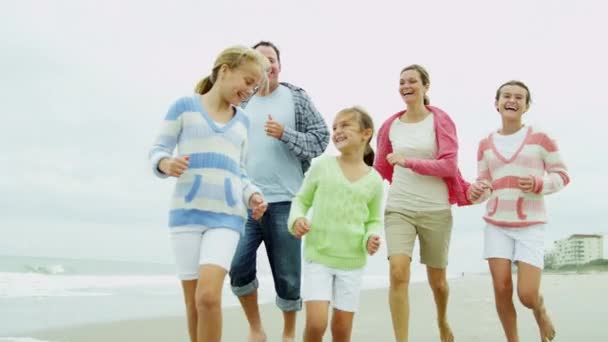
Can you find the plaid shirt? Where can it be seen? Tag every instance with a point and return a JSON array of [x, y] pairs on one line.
[[311, 136]]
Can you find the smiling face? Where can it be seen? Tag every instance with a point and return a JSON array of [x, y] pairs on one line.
[[412, 88], [275, 65], [348, 135], [239, 83], [512, 102]]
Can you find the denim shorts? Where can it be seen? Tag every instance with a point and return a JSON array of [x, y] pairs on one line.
[[284, 256]]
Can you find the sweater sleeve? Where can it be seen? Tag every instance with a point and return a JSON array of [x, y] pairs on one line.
[[373, 225], [166, 140], [446, 162], [483, 171], [315, 136], [248, 187], [556, 177], [305, 196]]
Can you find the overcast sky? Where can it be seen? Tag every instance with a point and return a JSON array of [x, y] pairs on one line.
[[85, 84]]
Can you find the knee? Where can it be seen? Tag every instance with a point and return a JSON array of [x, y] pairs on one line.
[[504, 289], [400, 275], [207, 300], [439, 286], [316, 327], [339, 331], [528, 299]]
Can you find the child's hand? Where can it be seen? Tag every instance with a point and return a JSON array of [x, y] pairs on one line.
[[373, 244], [477, 189], [526, 184], [175, 166], [301, 227], [395, 158], [257, 205]]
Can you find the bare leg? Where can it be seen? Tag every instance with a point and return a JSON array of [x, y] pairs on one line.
[[398, 296], [250, 306], [341, 325], [189, 287], [289, 326], [439, 285], [528, 289], [503, 294], [316, 321], [209, 303]]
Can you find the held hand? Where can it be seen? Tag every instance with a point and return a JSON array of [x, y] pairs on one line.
[[301, 227], [273, 128], [395, 158], [477, 189], [373, 244], [175, 166], [526, 184], [257, 205]]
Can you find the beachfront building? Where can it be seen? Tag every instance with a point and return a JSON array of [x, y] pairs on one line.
[[576, 250]]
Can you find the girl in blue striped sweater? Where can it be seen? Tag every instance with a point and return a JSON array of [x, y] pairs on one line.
[[212, 193]]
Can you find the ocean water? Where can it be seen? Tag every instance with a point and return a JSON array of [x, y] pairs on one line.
[[38, 293], [67, 275]]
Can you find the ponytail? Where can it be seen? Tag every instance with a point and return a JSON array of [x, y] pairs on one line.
[[369, 155], [427, 101], [204, 85]]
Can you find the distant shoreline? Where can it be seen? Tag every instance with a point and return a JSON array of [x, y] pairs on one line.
[[595, 266]]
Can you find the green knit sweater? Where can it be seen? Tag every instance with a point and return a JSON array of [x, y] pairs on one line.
[[344, 214]]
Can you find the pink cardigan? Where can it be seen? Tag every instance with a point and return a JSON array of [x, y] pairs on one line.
[[446, 164]]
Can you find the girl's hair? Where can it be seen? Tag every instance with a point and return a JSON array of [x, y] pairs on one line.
[[424, 76], [518, 84], [365, 121], [233, 57]]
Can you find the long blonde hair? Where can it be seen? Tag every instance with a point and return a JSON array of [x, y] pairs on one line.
[[233, 57]]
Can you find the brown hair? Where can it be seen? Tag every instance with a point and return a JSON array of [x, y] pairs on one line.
[[233, 57], [270, 45], [424, 76], [518, 84], [365, 121]]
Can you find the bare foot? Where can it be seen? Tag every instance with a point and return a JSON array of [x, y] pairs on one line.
[[445, 332], [257, 336], [547, 330], [288, 338]]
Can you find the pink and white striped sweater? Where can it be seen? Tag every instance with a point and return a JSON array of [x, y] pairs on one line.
[[508, 205]]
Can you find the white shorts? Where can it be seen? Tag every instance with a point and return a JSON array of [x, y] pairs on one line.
[[340, 287], [516, 244], [208, 246]]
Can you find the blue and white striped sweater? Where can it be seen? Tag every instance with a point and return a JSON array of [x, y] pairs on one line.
[[215, 190]]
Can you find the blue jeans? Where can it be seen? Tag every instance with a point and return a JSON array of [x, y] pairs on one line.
[[284, 256]]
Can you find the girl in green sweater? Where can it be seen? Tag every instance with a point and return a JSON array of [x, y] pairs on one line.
[[346, 194]]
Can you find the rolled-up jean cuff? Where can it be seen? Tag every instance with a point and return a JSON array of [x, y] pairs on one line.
[[244, 290], [288, 305]]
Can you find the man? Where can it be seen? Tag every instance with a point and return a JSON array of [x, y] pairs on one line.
[[286, 132]]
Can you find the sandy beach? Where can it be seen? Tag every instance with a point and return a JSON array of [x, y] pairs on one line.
[[577, 304]]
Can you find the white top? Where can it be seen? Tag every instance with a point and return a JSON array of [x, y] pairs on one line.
[[507, 145], [410, 190]]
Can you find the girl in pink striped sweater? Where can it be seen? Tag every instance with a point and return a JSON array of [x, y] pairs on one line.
[[517, 166]]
